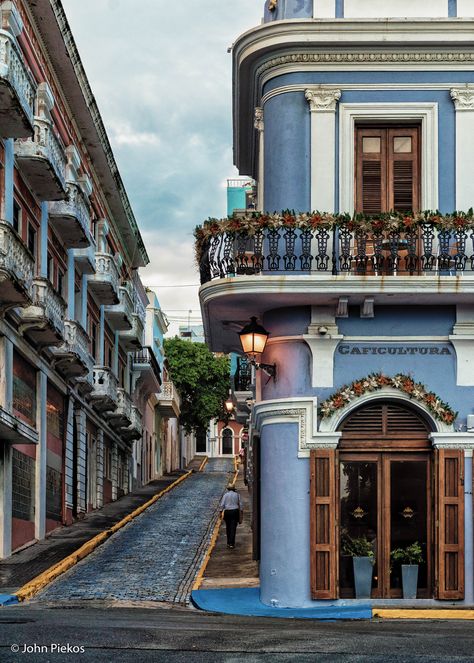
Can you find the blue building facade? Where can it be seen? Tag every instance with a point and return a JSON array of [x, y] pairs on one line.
[[356, 119]]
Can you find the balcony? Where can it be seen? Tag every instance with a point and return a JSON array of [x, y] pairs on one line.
[[103, 396], [243, 389], [169, 402], [43, 321], [16, 269], [135, 430], [72, 358], [145, 364], [15, 431], [85, 258], [133, 339], [104, 284], [122, 416], [42, 160], [17, 90], [70, 218], [120, 316], [252, 264]]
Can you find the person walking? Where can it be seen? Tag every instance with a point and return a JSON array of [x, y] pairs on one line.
[[231, 506]]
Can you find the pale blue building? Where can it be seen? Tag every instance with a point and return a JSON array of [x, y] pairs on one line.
[[363, 111]]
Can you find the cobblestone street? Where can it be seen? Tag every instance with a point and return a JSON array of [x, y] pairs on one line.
[[156, 557]]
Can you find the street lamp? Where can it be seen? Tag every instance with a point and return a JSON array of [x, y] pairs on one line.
[[229, 405], [253, 338]]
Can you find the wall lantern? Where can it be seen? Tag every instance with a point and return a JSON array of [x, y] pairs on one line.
[[253, 338], [229, 405]]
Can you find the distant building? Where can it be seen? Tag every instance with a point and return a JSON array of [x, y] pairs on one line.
[[193, 333]]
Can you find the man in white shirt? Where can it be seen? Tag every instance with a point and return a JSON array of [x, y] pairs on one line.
[[231, 505]]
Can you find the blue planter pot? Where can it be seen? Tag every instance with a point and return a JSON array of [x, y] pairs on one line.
[[363, 568], [409, 580]]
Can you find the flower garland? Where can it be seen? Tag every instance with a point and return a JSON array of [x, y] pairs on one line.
[[375, 381]]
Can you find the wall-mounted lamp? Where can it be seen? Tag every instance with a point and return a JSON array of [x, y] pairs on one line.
[[253, 338], [229, 405]]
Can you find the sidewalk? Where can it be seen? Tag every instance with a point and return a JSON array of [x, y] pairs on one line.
[[25, 565], [233, 567]]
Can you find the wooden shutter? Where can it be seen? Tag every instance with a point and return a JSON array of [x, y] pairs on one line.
[[450, 523], [371, 174], [403, 169], [323, 524]]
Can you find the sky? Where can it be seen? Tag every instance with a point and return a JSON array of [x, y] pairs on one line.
[[162, 78]]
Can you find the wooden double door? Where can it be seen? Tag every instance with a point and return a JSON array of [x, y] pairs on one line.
[[385, 499]]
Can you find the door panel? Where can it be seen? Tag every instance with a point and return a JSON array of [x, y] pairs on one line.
[[385, 498]]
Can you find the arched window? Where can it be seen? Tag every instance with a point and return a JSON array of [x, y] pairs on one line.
[[227, 441]]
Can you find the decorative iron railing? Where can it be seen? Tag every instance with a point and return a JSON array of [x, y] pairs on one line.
[[423, 249], [243, 375], [146, 356]]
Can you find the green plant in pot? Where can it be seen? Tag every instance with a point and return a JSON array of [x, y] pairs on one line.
[[363, 558], [409, 558]]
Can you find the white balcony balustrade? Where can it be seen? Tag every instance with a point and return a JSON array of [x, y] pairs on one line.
[[120, 316], [122, 416], [43, 321], [71, 218], [104, 389], [16, 269], [42, 160], [104, 284], [17, 90], [73, 358], [169, 402], [135, 430]]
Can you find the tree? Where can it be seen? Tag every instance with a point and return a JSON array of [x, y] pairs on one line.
[[202, 381]]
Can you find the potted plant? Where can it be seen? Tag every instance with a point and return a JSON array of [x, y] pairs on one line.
[[409, 558], [363, 559]]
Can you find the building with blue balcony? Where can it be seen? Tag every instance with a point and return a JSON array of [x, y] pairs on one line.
[[356, 120]]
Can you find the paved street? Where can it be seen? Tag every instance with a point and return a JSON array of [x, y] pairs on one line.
[[124, 635], [156, 557]]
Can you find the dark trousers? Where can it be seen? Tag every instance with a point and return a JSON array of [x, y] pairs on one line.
[[231, 517]]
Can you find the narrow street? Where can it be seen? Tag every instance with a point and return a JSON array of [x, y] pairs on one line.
[[156, 557]]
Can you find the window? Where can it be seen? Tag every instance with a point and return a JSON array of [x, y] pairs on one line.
[[388, 169], [50, 268], [60, 288], [32, 240], [16, 217], [94, 335]]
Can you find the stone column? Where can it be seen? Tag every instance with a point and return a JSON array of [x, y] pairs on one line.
[[463, 99], [81, 473], [114, 470], [5, 500], [100, 469], [41, 456], [69, 460], [259, 126], [322, 103]]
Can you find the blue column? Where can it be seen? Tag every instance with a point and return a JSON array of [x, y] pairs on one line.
[[102, 336], [452, 8], [339, 8], [84, 301], [44, 240], [71, 295], [8, 181], [468, 532], [41, 457]]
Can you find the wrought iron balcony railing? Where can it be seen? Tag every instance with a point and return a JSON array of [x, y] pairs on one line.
[[17, 90], [421, 250], [243, 375]]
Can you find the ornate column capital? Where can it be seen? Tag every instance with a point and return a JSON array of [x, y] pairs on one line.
[[322, 99], [258, 118], [463, 98]]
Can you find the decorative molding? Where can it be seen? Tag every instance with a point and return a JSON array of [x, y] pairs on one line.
[[453, 441], [463, 98], [331, 424], [322, 99], [258, 119], [464, 348], [349, 114]]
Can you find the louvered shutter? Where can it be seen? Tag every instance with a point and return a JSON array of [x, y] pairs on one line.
[[323, 524], [450, 523], [371, 177], [403, 175]]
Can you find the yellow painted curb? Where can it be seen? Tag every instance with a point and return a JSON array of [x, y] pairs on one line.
[[212, 544], [391, 613], [37, 584], [203, 464]]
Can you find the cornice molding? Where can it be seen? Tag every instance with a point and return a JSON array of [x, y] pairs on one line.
[[322, 99], [463, 98]]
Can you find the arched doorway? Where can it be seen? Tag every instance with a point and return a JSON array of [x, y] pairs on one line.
[[227, 441], [385, 493]]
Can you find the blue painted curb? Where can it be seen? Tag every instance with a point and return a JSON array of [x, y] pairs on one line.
[[8, 599], [246, 601]]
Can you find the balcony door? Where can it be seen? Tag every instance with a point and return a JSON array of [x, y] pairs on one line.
[[387, 168]]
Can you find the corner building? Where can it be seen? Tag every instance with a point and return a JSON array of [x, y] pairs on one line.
[[72, 307], [360, 108]]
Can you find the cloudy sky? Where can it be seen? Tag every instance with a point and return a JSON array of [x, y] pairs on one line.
[[161, 74]]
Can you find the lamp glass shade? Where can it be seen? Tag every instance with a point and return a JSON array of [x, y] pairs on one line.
[[229, 406], [253, 338]]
